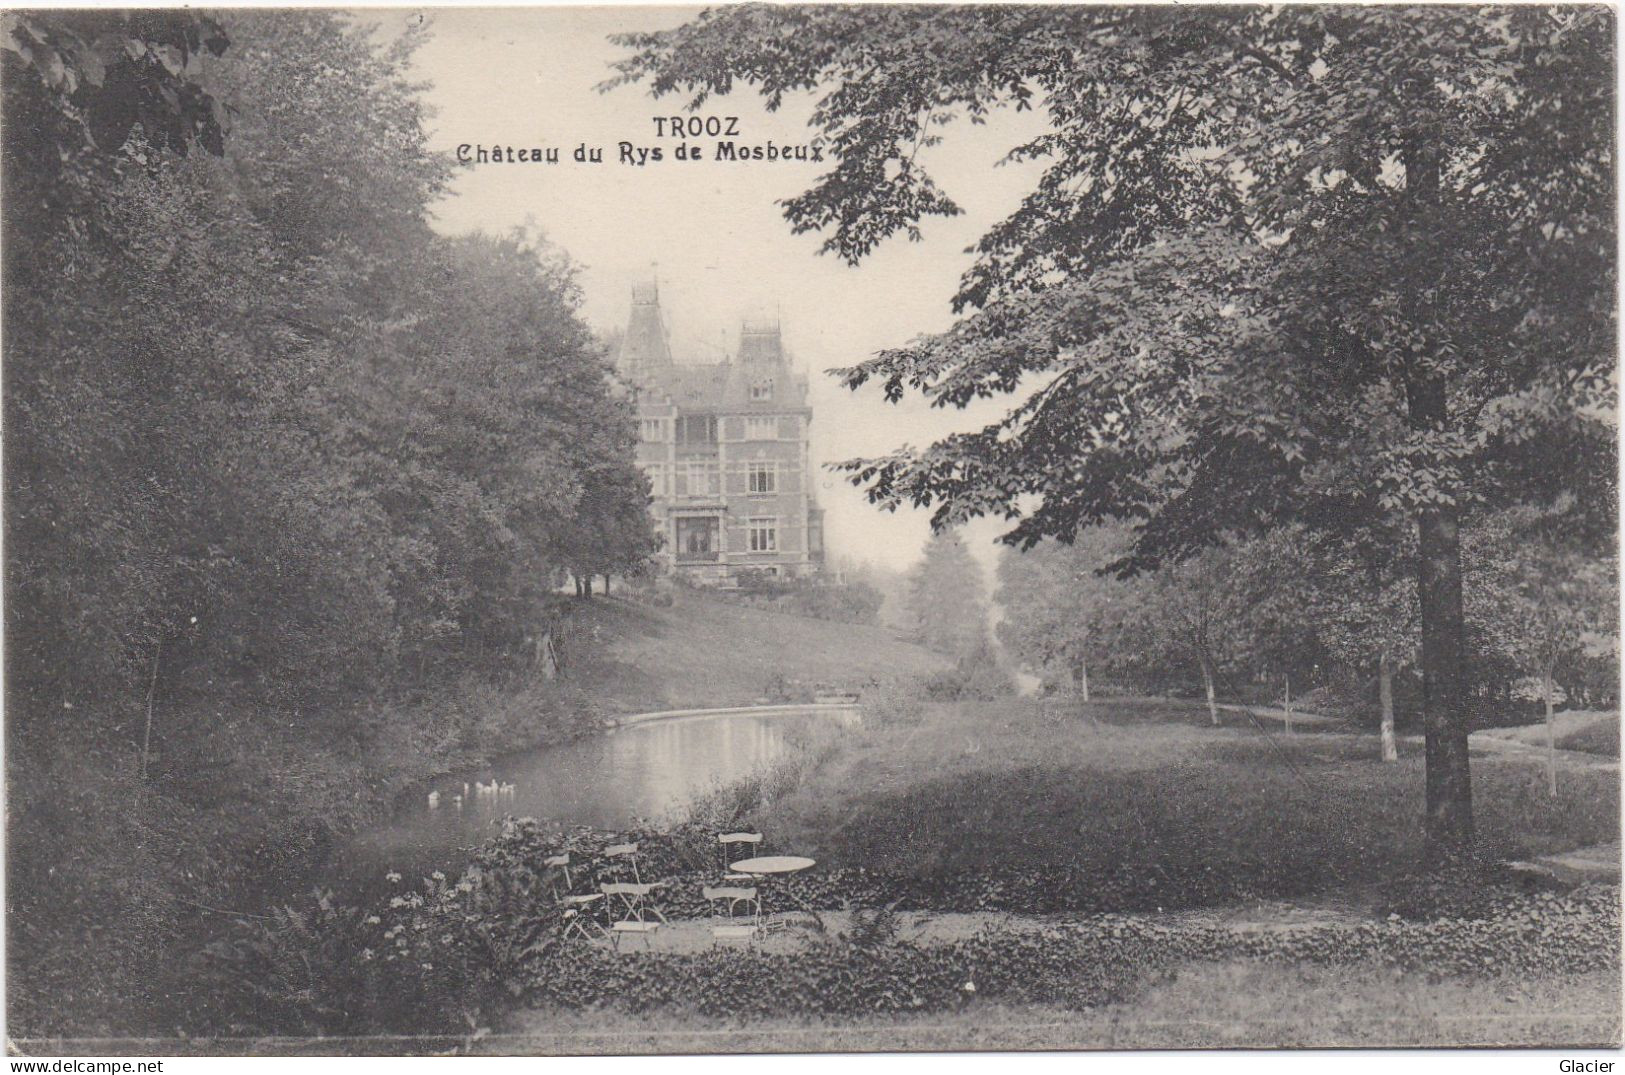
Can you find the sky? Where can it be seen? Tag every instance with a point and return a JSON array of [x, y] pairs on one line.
[[710, 231]]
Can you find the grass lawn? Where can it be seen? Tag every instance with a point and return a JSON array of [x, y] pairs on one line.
[[1598, 737], [707, 651], [990, 787], [1234, 1004], [1589, 731], [988, 790]]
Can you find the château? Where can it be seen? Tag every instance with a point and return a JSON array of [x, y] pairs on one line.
[[725, 445]]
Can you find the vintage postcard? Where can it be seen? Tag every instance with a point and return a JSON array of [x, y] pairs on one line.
[[810, 528]]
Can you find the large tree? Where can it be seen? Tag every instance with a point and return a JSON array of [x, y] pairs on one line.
[[947, 598], [1323, 264], [1061, 610]]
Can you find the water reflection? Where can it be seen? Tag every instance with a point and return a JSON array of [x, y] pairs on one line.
[[641, 771]]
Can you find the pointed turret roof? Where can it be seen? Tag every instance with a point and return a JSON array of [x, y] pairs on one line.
[[645, 347]]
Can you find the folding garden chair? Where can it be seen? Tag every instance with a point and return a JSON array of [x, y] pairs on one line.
[[634, 898], [728, 840], [632, 926], [576, 918], [627, 852], [735, 895], [561, 863]]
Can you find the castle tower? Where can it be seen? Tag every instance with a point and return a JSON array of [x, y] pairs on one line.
[[760, 345], [645, 348]]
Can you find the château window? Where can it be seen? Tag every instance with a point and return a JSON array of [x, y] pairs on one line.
[[764, 477], [654, 429], [762, 428], [697, 429], [764, 534], [761, 390], [697, 479]]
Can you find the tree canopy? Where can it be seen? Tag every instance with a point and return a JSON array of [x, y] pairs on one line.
[[1340, 266], [265, 426]]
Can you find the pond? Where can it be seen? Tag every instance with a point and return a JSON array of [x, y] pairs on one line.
[[646, 770]]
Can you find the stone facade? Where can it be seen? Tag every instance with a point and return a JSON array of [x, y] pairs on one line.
[[725, 446]]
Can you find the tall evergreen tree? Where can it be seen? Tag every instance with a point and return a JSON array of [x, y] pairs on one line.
[[947, 597]]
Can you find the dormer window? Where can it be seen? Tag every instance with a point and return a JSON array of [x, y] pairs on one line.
[[761, 390]]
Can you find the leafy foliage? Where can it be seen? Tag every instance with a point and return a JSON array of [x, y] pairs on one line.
[[1062, 613], [278, 454], [445, 958], [1338, 266]]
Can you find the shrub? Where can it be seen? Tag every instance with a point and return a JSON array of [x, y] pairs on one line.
[[976, 676], [740, 804], [898, 702]]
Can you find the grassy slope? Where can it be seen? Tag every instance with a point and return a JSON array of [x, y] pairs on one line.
[[705, 651], [975, 787]]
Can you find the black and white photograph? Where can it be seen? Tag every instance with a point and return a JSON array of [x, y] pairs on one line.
[[626, 530]]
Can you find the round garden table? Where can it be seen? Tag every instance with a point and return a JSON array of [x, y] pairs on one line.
[[786, 866]]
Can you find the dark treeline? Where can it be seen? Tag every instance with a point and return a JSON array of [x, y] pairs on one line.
[[272, 444]]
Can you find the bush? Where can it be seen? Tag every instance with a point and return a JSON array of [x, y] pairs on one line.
[[740, 804], [975, 676], [852, 602], [895, 702]]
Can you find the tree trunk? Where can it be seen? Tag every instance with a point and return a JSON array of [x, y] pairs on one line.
[[1289, 705], [1551, 733], [1207, 684], [1080, 678], [1444, 655], [1385, 695], [606, 585], [1444, 652]]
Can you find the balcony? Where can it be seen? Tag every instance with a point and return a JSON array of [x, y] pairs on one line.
[[698, 557]]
